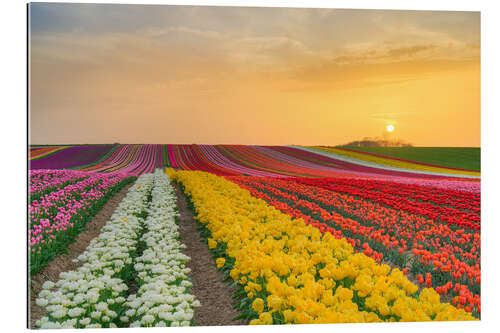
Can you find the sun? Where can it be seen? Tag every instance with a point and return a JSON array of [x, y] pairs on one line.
[[390, 128]]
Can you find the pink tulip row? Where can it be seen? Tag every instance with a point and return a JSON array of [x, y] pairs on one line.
[[447, 184], [215, 157], [59, 206], [59, 215], [41, 180]]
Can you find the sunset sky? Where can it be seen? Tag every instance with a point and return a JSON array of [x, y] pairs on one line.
[[271, 76]]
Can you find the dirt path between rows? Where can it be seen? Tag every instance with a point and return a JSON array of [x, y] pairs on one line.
[[64, 262], [445, 298], [215, 296]]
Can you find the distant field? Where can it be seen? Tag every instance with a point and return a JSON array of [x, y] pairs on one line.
[[454, 157]]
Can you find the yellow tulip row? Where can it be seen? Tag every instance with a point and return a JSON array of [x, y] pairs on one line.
[[292, 273], [396, 163]]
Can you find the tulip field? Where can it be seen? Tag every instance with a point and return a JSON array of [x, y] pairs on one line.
[[61, 202], [94, 295], [442, 252], [300, 234]]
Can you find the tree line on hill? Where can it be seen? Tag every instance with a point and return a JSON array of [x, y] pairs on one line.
[[377, 142]]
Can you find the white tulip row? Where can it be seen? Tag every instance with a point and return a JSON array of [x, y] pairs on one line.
[[162, 299], [93, 295]]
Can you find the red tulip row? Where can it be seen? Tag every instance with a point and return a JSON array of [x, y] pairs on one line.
[[441, 251], [453, 207], [259, 192]]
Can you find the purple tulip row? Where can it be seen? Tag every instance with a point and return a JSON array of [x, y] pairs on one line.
[[71, 157]]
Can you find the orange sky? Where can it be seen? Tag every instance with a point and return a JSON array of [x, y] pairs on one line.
[[184, 74]]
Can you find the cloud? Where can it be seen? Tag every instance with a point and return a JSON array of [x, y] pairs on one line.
[[409, 51], [156, 32], [335, 76], [256, 39]]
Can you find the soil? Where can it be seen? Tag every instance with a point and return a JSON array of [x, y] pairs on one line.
[[64, 262], [412, 278], [215, 295]]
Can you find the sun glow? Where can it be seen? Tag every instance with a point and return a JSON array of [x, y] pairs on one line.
[[390, 128]]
